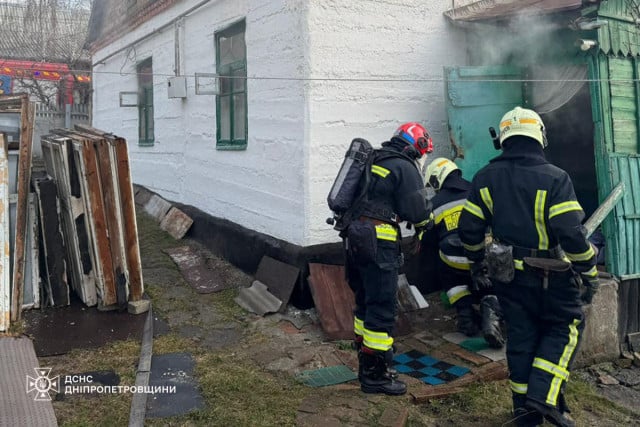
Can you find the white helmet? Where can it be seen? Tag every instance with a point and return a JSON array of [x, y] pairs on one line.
[[521, 121], [437, 171]]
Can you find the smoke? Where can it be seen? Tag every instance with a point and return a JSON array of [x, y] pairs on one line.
[[524, 39]]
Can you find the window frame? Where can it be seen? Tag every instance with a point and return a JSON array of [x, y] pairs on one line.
[[145, 93], [229, 70]]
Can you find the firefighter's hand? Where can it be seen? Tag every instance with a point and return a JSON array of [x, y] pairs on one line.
[[415, 245], [591, 286], [480, 276]]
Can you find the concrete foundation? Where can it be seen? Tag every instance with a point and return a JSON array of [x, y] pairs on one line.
[[600, 340]]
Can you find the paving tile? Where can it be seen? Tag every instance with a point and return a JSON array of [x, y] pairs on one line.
[[280, 277], [176, 223]]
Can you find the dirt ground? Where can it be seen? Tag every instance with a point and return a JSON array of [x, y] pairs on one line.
[[246, 365]]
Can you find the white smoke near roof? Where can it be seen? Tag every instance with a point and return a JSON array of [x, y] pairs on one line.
[[555, 85], [526, 41]]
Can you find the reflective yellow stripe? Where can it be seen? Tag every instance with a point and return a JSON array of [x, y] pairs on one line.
[[457, 292], [564, 207], [473, 248], [386, 232], [358, 326], [377, 340], [551, 368], [457, 262], [519, 388], [556, 383], [473, 209], [450, 212], [518, 264], [541, 198], [592, 272], [379, 170], [583, 256], [425, 222], [486, 198]]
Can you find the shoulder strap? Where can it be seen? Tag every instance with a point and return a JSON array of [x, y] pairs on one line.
[[385, 153]]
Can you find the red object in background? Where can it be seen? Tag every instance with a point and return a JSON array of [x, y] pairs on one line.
[[44, 71], [38, 70]]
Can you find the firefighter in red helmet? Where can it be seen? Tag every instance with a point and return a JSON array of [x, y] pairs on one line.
[[395, 194]]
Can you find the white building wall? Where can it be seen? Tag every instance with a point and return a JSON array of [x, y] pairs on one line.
[[372, 65], [387, 60], [262, 187]]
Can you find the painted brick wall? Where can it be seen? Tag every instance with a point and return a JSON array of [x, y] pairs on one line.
[[391, 40]]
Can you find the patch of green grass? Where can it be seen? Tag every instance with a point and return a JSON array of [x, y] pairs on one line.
[[96, 409], [238, 393], [583, 397], [226, 306]]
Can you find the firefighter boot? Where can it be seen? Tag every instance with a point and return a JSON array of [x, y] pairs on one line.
[[490, 314], [523, 417], [466, 318], [374, 375], [551, 414], [357, 345]]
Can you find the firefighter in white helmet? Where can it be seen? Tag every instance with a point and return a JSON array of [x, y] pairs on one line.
[[453, 267], [532, 211]]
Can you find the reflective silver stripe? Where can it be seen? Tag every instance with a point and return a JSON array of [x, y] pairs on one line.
[[563, 363], [358, 326], [519, 388], [473, 248], [564, 207], [386, 232], [543, 238], [377, 340], [457, 292], [474, 209], [459, 262], [440, 209], [583, 256]]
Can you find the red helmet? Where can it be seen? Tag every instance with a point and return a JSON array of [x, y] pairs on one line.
[[416, 135]]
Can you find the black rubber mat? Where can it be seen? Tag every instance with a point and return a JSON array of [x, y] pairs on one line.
[[59, 330]]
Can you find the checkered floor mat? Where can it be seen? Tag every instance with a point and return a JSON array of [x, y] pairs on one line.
[[426, 368]]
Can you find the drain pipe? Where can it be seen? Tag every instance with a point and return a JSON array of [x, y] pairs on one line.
[[155, 30]]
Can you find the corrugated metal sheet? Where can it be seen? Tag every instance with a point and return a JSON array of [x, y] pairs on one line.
[[621, 36], [493, 9]]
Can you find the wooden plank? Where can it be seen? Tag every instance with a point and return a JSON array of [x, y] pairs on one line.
[[24, 179], [112, 214], [604, 209], [86, 162], [128, 211], [75, 229], [333, 299], [5, 279]]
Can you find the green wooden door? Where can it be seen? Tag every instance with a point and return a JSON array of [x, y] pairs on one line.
[[476, 99]]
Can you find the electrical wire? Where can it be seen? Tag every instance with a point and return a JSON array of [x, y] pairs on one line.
[[329, 79]]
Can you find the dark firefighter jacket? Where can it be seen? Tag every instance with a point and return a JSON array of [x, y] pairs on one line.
[[528, 203], [447, 205], [397, 188]]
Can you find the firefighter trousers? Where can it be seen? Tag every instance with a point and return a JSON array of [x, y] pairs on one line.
[[375, 285], [544, 329]]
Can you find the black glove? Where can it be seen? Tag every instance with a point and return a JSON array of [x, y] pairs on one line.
[[415, 245], [480, 276], [591, 286]]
